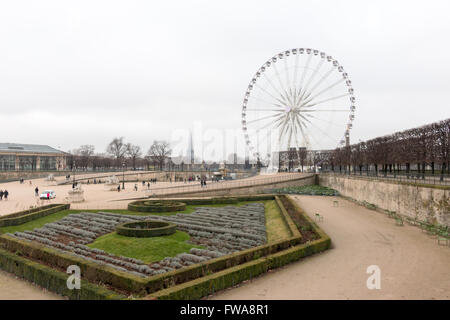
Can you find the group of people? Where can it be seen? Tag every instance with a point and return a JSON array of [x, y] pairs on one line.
[[4, 194], [203, 182]]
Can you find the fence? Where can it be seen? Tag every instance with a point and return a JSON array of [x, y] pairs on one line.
[[416, 178]]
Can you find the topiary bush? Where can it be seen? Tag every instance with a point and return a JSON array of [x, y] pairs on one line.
[[156, 206], [145, 229]]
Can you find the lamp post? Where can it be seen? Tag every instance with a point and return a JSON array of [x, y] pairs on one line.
[[123, 176], [73, 167]]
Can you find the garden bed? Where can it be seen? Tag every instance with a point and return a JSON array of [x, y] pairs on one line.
[[229, 240]]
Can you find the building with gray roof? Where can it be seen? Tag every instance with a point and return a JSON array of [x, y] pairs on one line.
[[31, 157]]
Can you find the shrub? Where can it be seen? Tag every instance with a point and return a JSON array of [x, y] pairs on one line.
[[144, 229]]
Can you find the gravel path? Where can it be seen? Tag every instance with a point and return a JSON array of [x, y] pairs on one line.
[[412, 265]]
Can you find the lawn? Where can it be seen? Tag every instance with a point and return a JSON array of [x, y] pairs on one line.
[[146, 249], [276, 227]]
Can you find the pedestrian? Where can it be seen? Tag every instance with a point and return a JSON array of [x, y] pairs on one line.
[[48, 195], [118, 188], [36, 191], [1, 194], [135, 187], [5, 194], [148, 185], [143, 183]]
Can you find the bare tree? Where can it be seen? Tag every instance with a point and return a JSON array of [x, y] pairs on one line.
[[159, 152], [134, 152], [84, 154], [117, 149]]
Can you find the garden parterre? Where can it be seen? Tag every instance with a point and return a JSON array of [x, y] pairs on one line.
[[220, 230]]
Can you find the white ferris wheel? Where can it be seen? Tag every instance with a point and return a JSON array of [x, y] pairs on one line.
[[299, 98]]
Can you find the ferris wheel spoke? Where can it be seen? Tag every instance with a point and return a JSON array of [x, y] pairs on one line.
[[327, 121], [322, 79], [323, 91], [323, 132], [315, 72], [267, 92], [294, 82], [263, 118], [326, 100], [326, 110], [276, 110], [302, 79], [282, 87]]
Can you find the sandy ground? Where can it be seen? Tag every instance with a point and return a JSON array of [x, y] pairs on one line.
[[12, 288], [412, 265], [21, 196]]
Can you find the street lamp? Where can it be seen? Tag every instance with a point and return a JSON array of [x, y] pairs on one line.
[[123, 176], [73, 167]]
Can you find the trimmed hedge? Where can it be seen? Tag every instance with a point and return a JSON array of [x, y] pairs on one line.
[[22, 217], [146, 229], [227, 200], [53, 280], [287, 219], [230, 277], [156, 206]]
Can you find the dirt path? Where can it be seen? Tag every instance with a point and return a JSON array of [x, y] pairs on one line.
[[12, 288], [412, 265]]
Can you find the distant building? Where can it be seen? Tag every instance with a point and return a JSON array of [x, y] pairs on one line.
[[31, 157]]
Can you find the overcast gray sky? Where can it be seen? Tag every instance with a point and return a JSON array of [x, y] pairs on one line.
[[82, 72]]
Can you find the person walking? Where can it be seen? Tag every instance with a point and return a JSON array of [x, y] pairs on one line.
[[36, 191], [1, 194], [148, 185], [135, 187], [118, 188], [5, 194]]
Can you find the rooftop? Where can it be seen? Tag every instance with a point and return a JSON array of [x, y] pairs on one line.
[[27, 148]]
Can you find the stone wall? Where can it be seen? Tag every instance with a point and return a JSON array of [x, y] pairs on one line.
[[16, 175], [246, 190], [426, 204]]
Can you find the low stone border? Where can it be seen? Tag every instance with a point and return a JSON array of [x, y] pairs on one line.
[[146, 229], [156, 206], [22, 217]]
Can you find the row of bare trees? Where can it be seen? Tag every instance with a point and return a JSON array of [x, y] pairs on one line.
[[416, 150], [119, 154]]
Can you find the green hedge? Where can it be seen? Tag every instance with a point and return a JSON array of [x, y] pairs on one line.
[[32, 214], [145, 229], [209, 284], [227, 200], [287, 219], [52, 280], [156, 206]]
